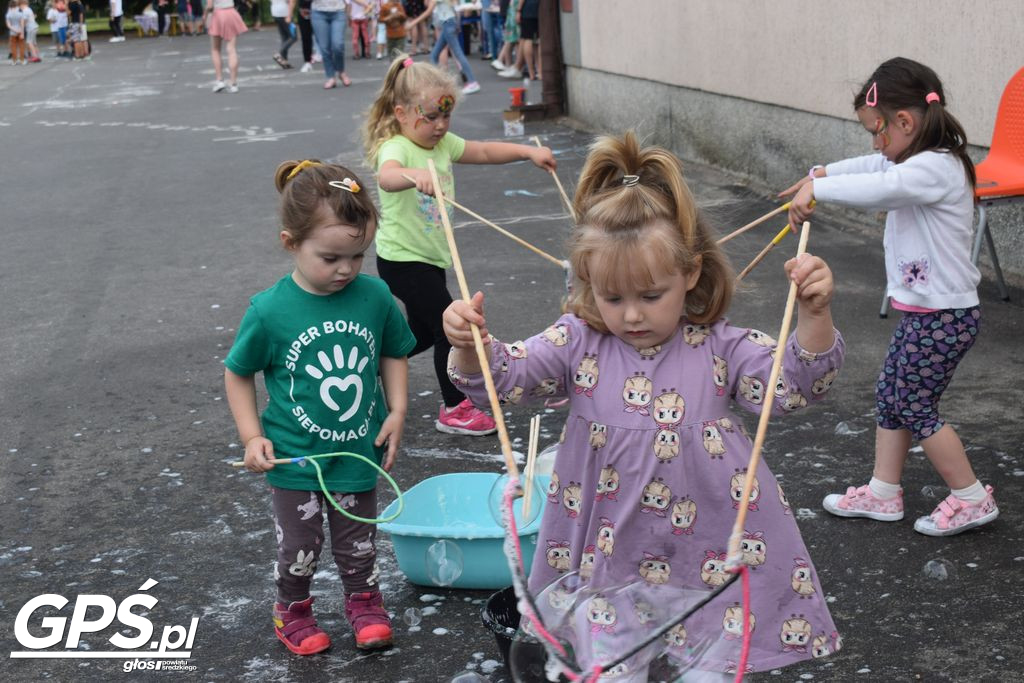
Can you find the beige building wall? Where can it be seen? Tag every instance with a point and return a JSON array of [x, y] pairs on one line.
[[765, 88]]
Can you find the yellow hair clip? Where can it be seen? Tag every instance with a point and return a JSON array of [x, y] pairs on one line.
[[347, 184], [301, 165]]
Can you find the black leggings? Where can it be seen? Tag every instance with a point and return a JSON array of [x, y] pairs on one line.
[[306, 33], [162, 22], [423, 290]]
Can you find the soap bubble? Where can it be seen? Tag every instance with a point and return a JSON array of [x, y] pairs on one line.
[[597, 627], [844, 429], [930, 492], [939, 569], [496, 501], [444, 562], [527, 660], [412, 616], [469, 677]]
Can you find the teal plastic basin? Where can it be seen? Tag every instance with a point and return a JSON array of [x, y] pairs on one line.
[[455, 508]]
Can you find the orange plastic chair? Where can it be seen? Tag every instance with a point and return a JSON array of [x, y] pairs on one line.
[[1000, 175]]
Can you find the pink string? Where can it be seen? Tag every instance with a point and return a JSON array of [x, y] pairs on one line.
[[745, 649], [508, 500], [744, 571]]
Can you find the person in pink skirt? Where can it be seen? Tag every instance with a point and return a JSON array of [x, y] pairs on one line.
[[224, 26]]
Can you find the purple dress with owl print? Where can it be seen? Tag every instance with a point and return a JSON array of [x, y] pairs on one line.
[[648, 479]]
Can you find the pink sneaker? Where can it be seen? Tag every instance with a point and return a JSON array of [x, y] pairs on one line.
[[369, 619], [954, 516], [860, 502], [465, 418], [296, 628]]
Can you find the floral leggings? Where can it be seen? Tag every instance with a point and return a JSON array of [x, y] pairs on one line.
[[923, 354]]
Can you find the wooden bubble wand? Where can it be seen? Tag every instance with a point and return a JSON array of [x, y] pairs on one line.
[[503, 231], [735, 557], [754, 223], [561, 190], [529, 470], [768, 247], [481, 353], [764, 252]]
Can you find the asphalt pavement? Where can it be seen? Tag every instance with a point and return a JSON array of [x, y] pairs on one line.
[[138, 216]]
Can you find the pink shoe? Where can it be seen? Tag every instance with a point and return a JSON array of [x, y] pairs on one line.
[[860, 502], [296, 628], [465, 418], [954, 516], [369, 619]]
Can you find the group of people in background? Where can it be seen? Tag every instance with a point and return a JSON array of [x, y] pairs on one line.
[[508, 30], [21, 31], [67, 26]]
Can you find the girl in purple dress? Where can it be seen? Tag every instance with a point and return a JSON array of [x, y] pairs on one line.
[[649, 474]]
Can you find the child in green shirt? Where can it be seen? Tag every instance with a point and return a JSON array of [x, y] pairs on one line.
[[332, 346]]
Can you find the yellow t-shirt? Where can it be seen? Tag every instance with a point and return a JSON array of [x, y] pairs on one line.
[[410, 224]]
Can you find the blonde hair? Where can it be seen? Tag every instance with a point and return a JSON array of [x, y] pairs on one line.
[[636, 217], [404, 82], [307, 198]]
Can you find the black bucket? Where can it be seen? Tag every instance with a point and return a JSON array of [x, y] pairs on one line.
[[501, 617]]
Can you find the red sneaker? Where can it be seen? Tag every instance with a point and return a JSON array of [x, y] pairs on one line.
[[369, 619], [296, 628], [465, 418]]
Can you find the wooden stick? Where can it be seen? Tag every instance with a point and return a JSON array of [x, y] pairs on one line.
[[500, 229], [561, 190], [481, 353], [735, 557], [754, 224], [764, 252], [276, 461], [531, 463]]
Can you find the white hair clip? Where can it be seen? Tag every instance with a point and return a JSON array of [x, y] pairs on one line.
[[630, 180], [347, 184]]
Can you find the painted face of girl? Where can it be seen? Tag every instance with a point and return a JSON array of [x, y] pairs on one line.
[[889, 138], [426, 120]]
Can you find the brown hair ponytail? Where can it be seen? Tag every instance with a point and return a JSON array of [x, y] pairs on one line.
[[629, 197]]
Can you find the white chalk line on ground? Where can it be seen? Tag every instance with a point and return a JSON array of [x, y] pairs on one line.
[[247, 133]]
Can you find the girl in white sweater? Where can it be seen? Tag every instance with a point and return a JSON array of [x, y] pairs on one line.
[[925, 181]]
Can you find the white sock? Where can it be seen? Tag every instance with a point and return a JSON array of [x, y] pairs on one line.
[[975, 493], [883, 490]]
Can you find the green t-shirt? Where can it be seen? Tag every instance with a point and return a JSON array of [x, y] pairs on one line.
[[320, 359], [410, 222]]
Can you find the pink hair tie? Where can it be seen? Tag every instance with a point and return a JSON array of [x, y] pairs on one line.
[[932, 97], [407, 62]]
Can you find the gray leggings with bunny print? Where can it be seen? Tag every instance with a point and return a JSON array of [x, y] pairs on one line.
[[299, 522]]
